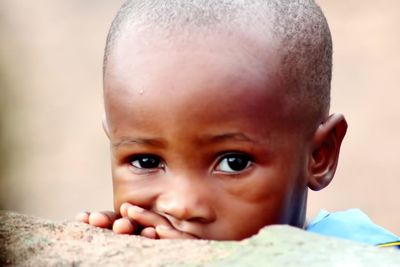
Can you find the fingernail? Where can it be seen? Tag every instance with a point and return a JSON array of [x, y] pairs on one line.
[[124, 209], [163, 228], [125, 206]]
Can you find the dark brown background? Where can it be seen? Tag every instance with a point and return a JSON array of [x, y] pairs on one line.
[[54, 155]]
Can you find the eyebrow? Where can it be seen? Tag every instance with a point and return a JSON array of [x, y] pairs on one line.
[[126, 141], [228, 136], [208, 138]]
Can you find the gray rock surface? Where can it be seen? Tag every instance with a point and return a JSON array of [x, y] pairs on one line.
[[31, 241]]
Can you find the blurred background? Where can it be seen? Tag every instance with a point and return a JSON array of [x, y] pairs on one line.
[[54, 157]]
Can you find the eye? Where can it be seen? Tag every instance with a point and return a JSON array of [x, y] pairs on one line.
[[146, 162], [233, 163]]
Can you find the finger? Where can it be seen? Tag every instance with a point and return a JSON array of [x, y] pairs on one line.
[[124, 209], [149, 232], [166, 232], [146, 218], [82, 217], [103, 219], [124, 226]]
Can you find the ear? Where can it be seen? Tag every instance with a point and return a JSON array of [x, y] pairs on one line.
[[325, 151], [105, 126]]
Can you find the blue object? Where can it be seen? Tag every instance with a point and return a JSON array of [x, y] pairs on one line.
[[351, 224]]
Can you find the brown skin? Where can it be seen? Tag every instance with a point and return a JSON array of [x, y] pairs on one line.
[[176, 117]]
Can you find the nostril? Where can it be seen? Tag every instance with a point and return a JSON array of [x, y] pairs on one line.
[[198, 219], [180, 213], [178, 221], [186, 207], [186, 215]]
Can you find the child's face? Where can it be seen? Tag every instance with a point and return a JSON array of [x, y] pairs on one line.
[[204, 138]]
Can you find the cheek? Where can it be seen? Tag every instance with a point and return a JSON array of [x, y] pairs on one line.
[[262, 185], [238, 219], [141, 191], [247, 205]]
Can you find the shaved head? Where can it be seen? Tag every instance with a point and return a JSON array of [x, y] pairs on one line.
[[298, 28], [225, 96]]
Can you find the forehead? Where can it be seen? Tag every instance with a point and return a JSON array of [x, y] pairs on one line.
[[240, 64], [245, 50]]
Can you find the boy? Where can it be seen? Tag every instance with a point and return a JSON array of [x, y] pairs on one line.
[[218, 116]]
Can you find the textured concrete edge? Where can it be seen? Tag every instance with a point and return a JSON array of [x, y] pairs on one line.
[[282, 245], [274, 245], [288, 246]]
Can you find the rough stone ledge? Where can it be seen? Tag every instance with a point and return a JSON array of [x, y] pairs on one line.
[[31, 241]]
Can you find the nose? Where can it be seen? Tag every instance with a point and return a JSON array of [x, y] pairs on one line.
[[187, 201]]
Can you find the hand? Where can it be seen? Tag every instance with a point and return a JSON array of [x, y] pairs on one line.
[[153, 225], [134, 219]]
